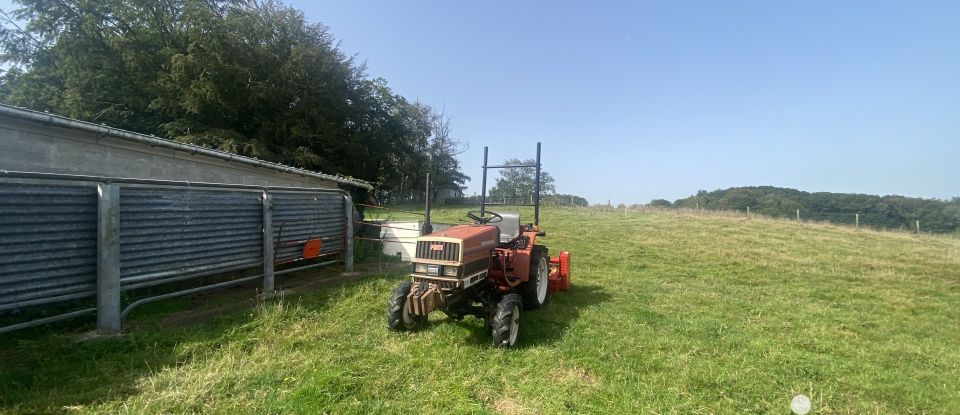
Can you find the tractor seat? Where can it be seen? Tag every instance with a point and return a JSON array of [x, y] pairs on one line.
[[509, 226]]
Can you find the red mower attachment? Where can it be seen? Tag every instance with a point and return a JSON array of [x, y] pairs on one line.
[[559, 272]]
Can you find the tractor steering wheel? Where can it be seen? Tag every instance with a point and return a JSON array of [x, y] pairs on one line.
[[482, 220]]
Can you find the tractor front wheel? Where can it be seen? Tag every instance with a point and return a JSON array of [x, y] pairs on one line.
[[505, 324], [398, 314]]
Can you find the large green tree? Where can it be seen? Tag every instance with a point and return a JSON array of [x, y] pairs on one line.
[[251, 77], [518, 182]]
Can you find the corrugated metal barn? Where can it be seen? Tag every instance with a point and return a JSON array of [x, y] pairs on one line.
[[90, 212]]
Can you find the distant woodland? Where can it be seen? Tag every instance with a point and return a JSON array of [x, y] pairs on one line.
[[885, 212]]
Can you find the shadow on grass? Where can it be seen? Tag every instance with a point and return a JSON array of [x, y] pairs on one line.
[[50, 368], [548, 324]]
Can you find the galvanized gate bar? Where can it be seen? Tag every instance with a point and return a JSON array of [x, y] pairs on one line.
[[45, 320], [224, 284], [305, 267], [46, 300], [108, 259], [149, 280], [207, 273]]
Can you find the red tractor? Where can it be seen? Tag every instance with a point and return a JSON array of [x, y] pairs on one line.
[[492, 269]]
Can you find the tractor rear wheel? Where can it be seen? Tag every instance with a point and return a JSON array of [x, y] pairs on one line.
[[505, 324], [398, 314], [535, 293]]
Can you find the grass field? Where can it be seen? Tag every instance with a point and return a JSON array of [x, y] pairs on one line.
[[669, 313]]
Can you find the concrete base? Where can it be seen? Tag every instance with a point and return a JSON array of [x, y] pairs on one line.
[[95, 335], [275, 294]]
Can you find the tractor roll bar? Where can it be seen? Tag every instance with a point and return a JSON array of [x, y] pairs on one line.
[[508, 167], [536, 184]]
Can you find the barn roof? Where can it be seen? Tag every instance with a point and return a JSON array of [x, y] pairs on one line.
[[60, 121]]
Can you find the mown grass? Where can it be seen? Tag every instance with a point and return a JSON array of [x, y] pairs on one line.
[[669, 313]]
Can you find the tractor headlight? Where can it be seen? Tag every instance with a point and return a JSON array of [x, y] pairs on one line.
[[450, 271], [420, 268], [433, 270]]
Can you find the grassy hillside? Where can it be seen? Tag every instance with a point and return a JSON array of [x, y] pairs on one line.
[[669, 314]]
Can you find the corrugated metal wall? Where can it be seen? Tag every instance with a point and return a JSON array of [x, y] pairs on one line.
[[48, 242], [49, 233], [173, 231], [301, 216]]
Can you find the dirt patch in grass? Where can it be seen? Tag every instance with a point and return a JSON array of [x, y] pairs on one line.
[[505, 405], [574, 376], [508, 406]]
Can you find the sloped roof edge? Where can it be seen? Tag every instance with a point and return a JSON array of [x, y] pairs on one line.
[[60, 121]]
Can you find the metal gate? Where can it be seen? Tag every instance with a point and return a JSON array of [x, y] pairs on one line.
[[66, 237]]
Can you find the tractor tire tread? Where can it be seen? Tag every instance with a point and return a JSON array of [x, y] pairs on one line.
[[395, 306], [502, 318]]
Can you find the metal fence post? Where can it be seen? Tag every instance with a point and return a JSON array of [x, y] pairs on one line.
[[108, 259], [268, 253], [348, 238]]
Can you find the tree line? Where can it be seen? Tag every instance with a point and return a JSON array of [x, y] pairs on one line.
[[251, 77], [889, 212]]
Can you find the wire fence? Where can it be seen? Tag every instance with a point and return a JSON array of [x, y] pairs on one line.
[[853, 220], [856, 221]]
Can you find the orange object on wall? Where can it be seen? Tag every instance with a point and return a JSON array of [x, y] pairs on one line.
[[311, 249]]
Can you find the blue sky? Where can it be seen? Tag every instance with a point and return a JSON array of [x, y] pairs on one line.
[[635, 101], [642, 100]]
